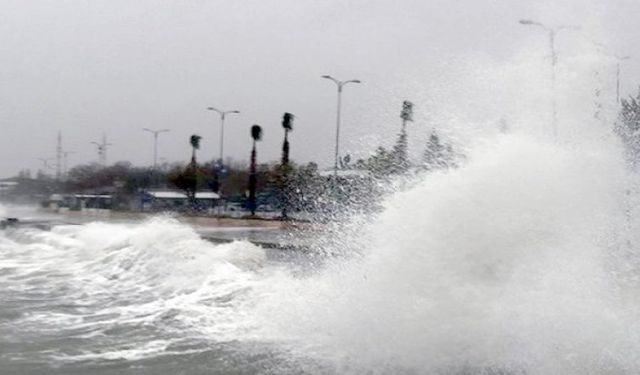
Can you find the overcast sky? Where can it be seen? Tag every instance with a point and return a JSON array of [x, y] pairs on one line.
[[115, 66]]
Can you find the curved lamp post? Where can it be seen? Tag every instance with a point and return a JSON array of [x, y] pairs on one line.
[[553, 31], [339, 84], [155, 143], [222, 114], [102, 149], [619, 60]]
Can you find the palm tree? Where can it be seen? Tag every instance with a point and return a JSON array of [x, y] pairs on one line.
[[256, 134], [407, 113], [191, 172], [195, 145], [400, 150], [287, 124], [437, 154]]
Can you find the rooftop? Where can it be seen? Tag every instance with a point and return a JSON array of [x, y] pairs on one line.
[[172, 194]]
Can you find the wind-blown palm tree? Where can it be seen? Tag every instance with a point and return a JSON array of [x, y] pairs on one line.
[[401, 162], [287, 124], [191, 173], [195, 145], [256, 134], [187, 179]]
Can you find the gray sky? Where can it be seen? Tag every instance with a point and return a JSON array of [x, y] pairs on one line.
[[115, 66]]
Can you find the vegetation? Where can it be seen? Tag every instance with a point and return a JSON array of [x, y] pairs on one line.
[[256, 135], [628, 127], [284, 170], [285, 185]]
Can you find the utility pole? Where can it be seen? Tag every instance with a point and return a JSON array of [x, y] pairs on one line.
[[105, 146]]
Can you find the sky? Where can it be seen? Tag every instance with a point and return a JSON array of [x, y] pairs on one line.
[[114, 67]]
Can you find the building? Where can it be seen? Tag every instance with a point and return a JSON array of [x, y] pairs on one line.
[[174, 200]]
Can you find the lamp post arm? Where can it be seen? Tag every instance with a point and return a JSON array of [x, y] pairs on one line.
[[216, 110], [333, 79], [567, 27]]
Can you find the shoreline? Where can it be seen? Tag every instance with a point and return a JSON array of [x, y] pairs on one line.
[[195, 220], [211, 229]]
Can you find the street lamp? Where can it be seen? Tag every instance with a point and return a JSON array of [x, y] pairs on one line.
[[155, 143], [619, 59], [602, 50], [553, 31], [222, 116], [339, 84], [102, 149]]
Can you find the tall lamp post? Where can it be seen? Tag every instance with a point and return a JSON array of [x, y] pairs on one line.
[[65, 170], [222, 114], [619, 59], [155, 143], [340, 84], [553, 31], [102, 149]]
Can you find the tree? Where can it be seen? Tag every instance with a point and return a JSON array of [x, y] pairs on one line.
[[438, 155], [628, 127], [256, 135], [380, 164], [395, 161], [187, 179], [344, 162], [400, 150], [194, 140], [399, 154], [25, 174], [287, 125]]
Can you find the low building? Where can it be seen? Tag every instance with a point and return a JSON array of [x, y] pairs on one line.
[[79, 201], [174, 200], [101, 201], [7, 186]]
